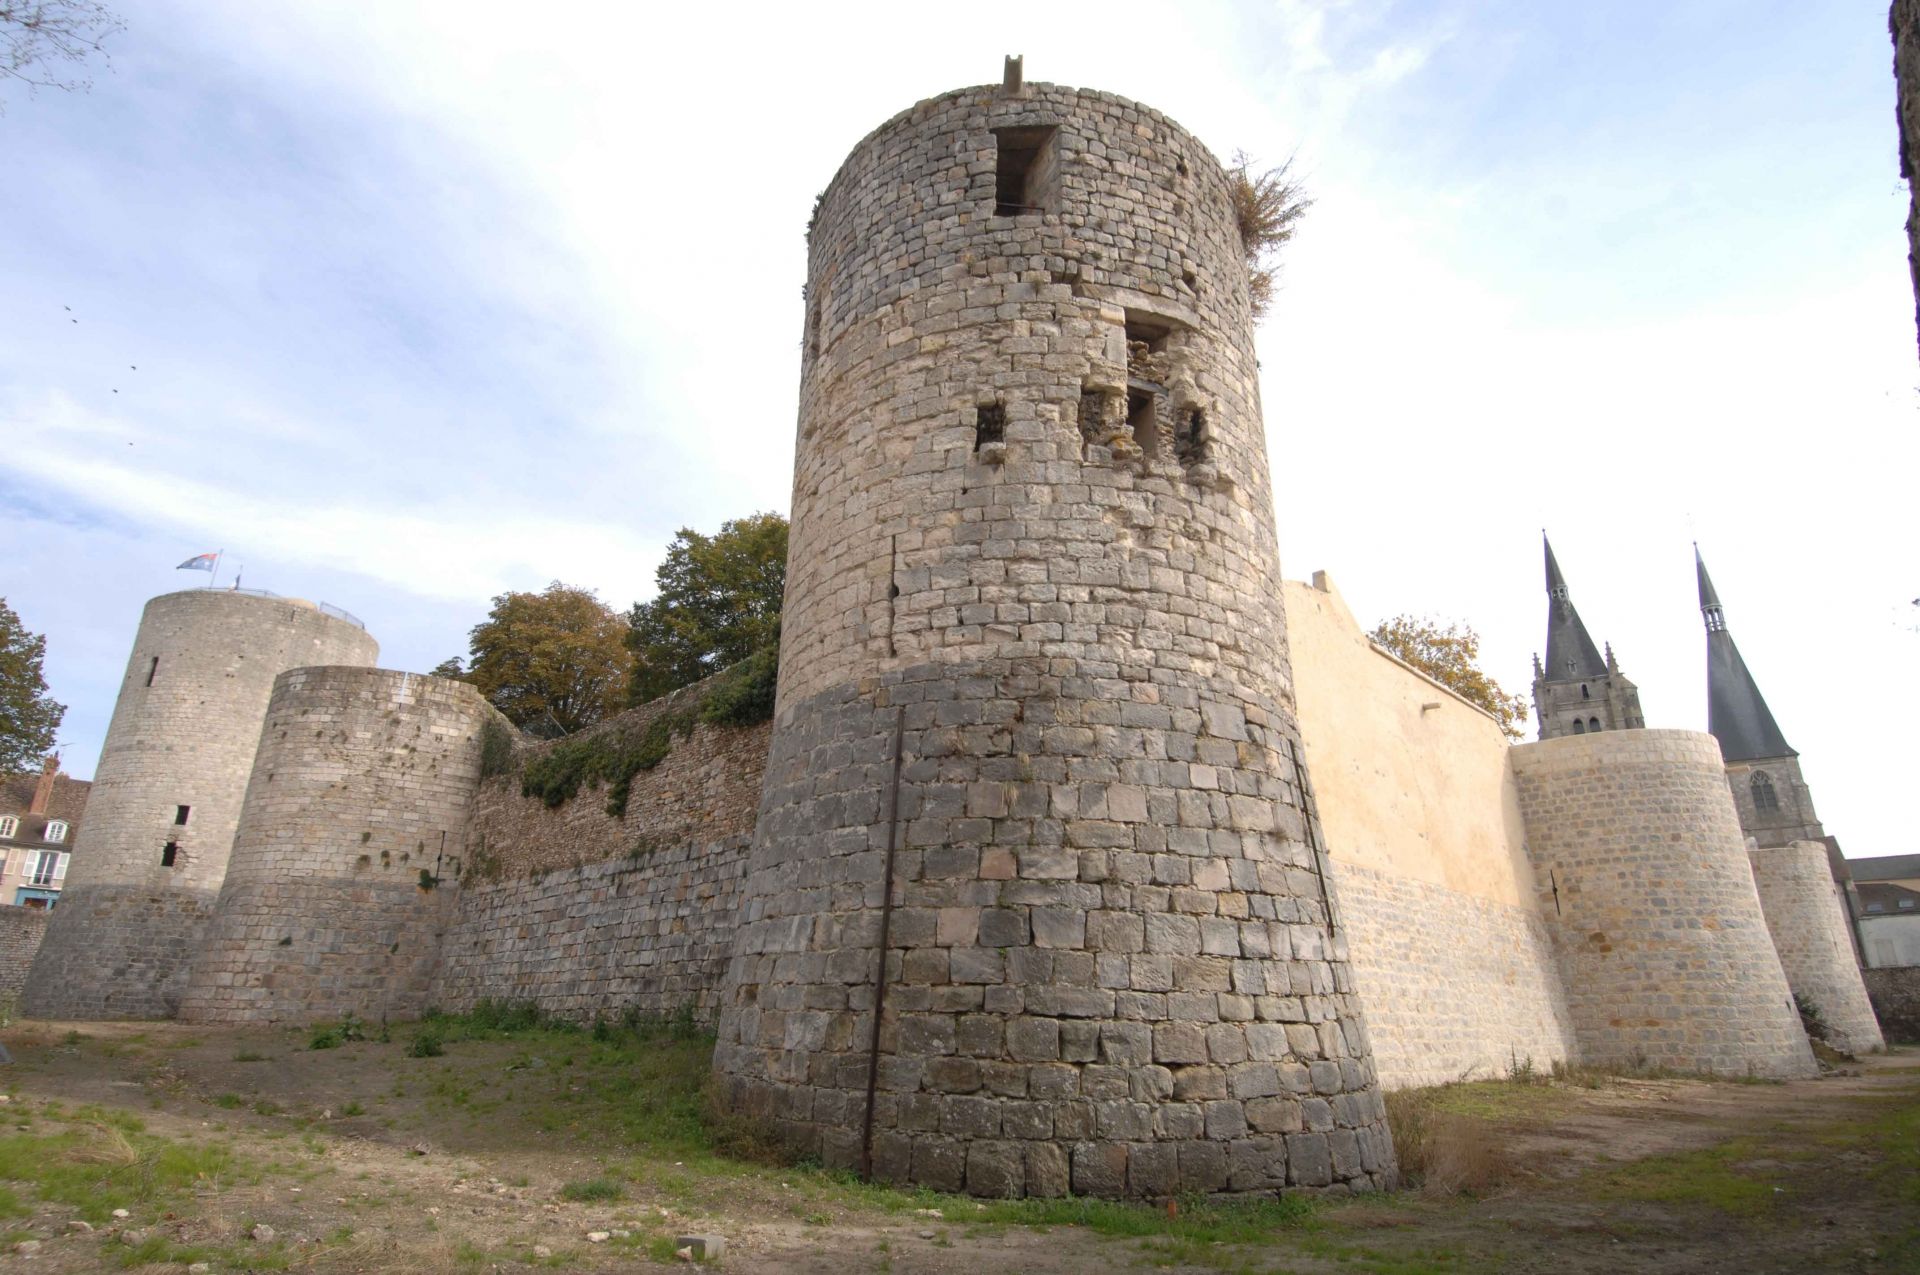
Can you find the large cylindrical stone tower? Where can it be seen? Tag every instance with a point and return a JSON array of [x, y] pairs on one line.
[[166, 796], [1643, 879], [351, 842], [1032, 534], [1808, 920]]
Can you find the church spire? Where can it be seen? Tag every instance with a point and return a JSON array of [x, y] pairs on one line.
[[1737, 714], [1571, 654]]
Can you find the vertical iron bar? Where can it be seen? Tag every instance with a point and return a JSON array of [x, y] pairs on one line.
[[886, 929]]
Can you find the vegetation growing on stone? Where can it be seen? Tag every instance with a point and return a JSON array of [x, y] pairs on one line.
[[496, 749], [1267, 206]]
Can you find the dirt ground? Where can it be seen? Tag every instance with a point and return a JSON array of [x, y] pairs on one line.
[[167, 1147]]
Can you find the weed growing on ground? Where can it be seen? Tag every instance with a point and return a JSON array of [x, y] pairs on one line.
[[593, 1189]]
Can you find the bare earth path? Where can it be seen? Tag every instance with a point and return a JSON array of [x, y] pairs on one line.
[[250, 1150]]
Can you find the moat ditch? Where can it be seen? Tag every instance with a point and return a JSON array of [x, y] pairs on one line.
[[501, 1143]]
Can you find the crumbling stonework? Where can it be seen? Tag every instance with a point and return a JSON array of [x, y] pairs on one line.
[[356, 817], [1645, 885], [1808, 922], [167, 793], [1035, 777], [1895, 992]]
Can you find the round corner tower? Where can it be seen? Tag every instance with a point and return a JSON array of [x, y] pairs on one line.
[[356, 815], [1034, 677], [167, 793]]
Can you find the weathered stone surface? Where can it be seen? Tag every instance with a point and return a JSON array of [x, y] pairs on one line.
[[1807, 918]]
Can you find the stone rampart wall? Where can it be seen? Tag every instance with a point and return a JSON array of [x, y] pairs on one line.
[[1895, 991], [20, 932], [1647, 892], [649, 933], [706, 790], [1807, 919], [1455, 985]]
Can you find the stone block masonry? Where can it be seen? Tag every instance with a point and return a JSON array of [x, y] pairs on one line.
[[1643, 878], [351, 844], [21, 930], [1456, 986], [167, 795], [1047, 569], [1808, 922], [1895, 992], [588, 913]]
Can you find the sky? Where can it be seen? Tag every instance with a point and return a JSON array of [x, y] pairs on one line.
[[406, 305]]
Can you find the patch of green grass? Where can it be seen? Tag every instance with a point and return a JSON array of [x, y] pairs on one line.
[[592, 1189], [353, 1109], [1710, 1177], [229, 1101], [1198, 1218], [95, 1166]]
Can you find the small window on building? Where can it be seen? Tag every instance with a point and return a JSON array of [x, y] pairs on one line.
[[180, 814], [46, 867], [152, 669], [1764, 797], [1579, 727], [9, 825], [989, 424], [1906, 903], [1593, 725], [56, 830], [168, 853], [1190, 442], [1026, 171], [1876, 907], [1584, 694]]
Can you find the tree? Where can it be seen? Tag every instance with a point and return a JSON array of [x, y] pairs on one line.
[[1451, 657], [450, 668], [553, 662], [38, 36], [28, 715], [718, 603], [1268, 207]]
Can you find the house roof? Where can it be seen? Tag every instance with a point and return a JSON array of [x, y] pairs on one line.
[[1888, 867]]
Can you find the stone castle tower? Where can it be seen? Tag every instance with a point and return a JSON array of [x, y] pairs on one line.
[[1775, 805], [1578, 692], [1036, 741], [167, 793]]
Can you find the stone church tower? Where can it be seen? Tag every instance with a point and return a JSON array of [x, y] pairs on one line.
[[1578, 691], [1037, 900], [1775, 805]]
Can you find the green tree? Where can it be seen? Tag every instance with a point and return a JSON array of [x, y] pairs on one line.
[[1450, 655], [28, 715], [553, 662], [718, 603], [451, 668]]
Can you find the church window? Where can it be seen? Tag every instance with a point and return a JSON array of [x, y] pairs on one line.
[[1764, 797], [1593, 724], [1579, 727], [1584, 693]]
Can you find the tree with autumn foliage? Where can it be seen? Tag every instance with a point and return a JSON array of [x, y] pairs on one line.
[[554, 661], [1450, 655]]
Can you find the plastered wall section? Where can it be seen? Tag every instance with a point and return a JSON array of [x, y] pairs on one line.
[[21, 930], [350, 846], [585, 913], [185, 729], [1434, 892], [1808, 922], [1650, 902]]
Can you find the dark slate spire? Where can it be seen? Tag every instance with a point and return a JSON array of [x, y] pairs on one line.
[[1571, 654], [1736, 713]]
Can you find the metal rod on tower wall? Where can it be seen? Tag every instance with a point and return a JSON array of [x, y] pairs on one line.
[[886, 929]]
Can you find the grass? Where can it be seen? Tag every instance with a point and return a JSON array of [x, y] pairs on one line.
[[95, 1161], [1713, 1177], [592, 1189]]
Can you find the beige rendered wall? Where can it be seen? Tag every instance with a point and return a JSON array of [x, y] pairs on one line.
[[1436, 896]]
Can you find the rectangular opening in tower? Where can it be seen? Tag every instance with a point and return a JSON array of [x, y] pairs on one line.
[[1026, 170], [180, 814], [1143, 419], [989, 425], [152, 669], [168, 853]]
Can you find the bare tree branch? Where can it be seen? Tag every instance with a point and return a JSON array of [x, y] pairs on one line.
[[47, 43]]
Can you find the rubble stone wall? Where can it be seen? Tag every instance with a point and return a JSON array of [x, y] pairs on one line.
[[1807, 918], [351, 845], [1647, 892], [21, 930], [1046, 570], [184, 733], [1895, 991]]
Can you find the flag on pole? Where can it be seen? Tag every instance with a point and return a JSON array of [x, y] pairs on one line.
[[199, 562]]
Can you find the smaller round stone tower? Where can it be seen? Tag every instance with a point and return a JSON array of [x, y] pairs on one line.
[[1644, 882], [166, 796], [356, 816], [1809, 924]]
